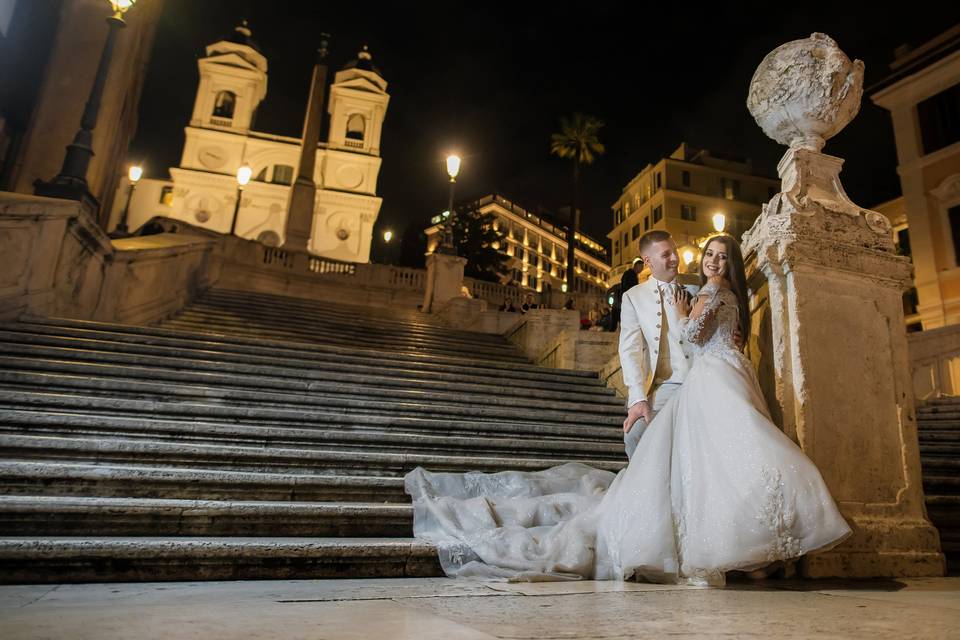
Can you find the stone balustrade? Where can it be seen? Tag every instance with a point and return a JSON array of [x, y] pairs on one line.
[[935, 362]]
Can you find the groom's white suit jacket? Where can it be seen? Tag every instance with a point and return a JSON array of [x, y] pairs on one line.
[[641, 329]]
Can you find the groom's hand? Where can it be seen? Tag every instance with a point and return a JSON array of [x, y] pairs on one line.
[[637, 411]]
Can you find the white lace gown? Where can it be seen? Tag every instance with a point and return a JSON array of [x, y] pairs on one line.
[[714, 486]]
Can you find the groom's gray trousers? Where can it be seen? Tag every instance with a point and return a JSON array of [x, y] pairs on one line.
[[657, 397]]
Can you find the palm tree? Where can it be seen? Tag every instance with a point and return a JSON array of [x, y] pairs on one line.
[[577, 140]]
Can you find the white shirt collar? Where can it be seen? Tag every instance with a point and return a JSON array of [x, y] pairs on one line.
[[661, 283]]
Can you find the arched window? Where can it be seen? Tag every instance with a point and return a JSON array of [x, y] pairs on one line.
[[224, 104], [355, 127]]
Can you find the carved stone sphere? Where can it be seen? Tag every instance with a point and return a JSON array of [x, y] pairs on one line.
[[806, 91]]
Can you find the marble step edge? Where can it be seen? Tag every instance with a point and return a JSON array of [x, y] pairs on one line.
[[103, 426], [242, 327], [121, 451], [168, 391], [343, 325], [70, 478], [26, 400], [301, 305], [48, 559], [287, 346], [333, 366], [23, 332], [279, 377]]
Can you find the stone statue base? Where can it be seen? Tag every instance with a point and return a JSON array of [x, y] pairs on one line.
[[828, 321]]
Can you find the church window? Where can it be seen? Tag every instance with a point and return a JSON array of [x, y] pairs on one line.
[[224, 104], [355, 127], [282, 174]]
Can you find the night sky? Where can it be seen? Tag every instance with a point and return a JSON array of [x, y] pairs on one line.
[[491, 83]]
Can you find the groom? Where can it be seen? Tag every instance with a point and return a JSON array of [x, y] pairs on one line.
[[654, 356]]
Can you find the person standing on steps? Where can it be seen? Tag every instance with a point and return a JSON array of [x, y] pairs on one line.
[[654, 357]]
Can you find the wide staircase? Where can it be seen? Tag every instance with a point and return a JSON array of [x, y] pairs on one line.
[[939, 428], [256, 436]]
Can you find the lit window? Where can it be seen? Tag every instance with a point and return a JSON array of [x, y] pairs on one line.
[[166, 196]]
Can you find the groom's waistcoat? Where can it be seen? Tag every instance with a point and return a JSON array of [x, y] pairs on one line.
[[644, 337]]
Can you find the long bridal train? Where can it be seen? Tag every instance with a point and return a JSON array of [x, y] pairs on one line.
[[713, 487]]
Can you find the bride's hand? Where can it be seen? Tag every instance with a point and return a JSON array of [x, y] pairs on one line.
[[681, 300]]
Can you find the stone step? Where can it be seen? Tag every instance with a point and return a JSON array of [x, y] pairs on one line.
[[293, 364], [941, 437], [98, 516], [337, 322], [939, 449], [217, 325], [936, 484], [114, 559], [315, 388], [119, 387], [282, 349], [85, 403], [103, 427], [935, 465], [330, 381], [136, 481], [376, 316], [178, 454]]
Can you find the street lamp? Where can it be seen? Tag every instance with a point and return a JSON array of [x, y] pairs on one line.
[[387, 236], [453, 169], [71, 182], [243, 177], [719, 222], [134, 173], [688, 257]]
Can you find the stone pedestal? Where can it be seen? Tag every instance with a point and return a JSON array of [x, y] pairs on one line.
[[828, 318], [444, 280]]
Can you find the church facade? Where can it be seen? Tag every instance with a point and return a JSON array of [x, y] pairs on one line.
[[203, 190]]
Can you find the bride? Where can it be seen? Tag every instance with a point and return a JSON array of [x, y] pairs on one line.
[[713, 486]]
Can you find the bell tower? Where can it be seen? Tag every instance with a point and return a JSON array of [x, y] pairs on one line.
[[233, 82], [357, 107]]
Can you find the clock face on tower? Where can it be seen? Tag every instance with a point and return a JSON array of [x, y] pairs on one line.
[[212, 157]]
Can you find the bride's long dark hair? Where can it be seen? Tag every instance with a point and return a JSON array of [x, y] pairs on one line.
[[735, 274]]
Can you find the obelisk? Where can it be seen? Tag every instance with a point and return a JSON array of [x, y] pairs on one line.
[[304, 189]]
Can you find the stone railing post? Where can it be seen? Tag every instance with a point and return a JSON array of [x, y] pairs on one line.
[[444, 280], [829, 321]]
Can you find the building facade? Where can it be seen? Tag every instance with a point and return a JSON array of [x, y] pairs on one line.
[[536, 249], [203, 189], [681, 194], [922, 94]]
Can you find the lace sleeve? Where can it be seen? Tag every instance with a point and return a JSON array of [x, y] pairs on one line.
[[698, 329]]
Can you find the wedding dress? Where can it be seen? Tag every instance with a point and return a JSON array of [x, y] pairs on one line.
[[713, 486]]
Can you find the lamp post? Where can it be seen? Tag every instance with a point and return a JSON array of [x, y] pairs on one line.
[[243, 177], [71, 182], [134, 173], [453, 169]]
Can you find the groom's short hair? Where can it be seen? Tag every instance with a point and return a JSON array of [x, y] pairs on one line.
[[657, 235]]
